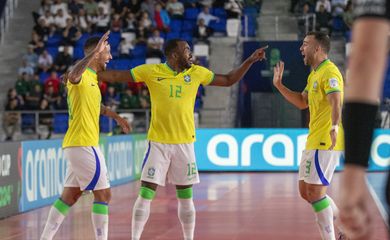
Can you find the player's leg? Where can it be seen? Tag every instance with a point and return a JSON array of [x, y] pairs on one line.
[[100, 185], [316, 173], [141, 209], [154, 172], [183, 173], [59, 211], [186, 210]]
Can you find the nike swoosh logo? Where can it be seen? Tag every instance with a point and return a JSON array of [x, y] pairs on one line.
[[160, 78]]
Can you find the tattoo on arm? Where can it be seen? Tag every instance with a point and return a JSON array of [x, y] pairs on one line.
[[78, 69]]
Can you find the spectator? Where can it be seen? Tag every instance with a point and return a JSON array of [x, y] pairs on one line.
[[161, 18], [129, 100], [141, 34], [116, 23], [202, 32], [22, 86], [189, 3], [175, 9], [205, 14], [81, 20], [69, 33], [33, 97], [338, 7], [124, 48], [326, 4], [91, 7], [145, 21], [45, 119], [93, 20], [31, 57], [75, 6], [323, 20], [51, 96], [11, 120], [119, 7], [148, 6], [233, 9], [37, 43], [112, 98], [348, 16], [25, 68], [42, 28], [57, 5], [52, 81], [304, 21], [47, 17], [130, 23], [106, 5], [63, 60], [155, 45], [144, 98], [103, 21], [14, 95], [45, 6], [134, 6], [60, 19], [45, 61]]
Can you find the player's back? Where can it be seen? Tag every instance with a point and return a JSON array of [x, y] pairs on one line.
[[84, 102]]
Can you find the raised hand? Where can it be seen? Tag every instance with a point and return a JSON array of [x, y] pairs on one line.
[[101, 46], [258, 55], [278, 74]]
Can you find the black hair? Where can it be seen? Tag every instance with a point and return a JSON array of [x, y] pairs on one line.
[[90, 44], [322, 38], [171, 46]]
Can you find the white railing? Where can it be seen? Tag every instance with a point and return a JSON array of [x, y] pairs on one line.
[[8, 12]]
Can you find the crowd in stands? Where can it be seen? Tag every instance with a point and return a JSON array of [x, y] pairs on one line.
[[330, 15], [139, 30]]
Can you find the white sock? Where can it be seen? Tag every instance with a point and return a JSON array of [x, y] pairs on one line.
[[57, 214], [100, 220], [187, 215], [141, 212], [324, 218]]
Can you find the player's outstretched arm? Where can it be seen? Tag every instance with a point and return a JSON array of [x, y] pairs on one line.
[[115, 76], [74, 76], [226, 80], [121, 121], [296, 98]]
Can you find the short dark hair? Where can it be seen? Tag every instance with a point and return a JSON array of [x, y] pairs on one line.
[[90, 44], [171, 46], [322, 38]]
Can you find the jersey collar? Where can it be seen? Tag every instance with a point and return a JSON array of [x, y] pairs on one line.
[[321, 64], [91, 70], [173, 71]]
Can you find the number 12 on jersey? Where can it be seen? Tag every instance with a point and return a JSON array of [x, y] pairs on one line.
[[175, 91]]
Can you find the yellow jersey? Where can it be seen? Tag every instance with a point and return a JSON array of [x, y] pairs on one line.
[[84, 99], [324, 80], [172, 100]]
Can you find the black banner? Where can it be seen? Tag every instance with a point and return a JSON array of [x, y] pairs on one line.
[[10, 184]]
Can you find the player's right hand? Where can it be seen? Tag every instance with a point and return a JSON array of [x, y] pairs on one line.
[[101, 46], [278, 74]]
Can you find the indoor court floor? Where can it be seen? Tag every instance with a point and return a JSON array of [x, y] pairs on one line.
[[230, 206]]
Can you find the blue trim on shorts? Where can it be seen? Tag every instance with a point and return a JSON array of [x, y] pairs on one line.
[[146, 156], [95, 178], [319, 171]]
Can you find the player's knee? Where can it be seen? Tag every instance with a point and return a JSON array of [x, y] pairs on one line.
[[103, 195], [147, 193], [303, 194], [313, 195]]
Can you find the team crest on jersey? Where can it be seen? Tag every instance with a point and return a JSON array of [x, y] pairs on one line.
[[187, 78], [333, 83], [315, 85], [151, 172]]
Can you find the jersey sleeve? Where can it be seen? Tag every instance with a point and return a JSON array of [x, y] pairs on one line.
[[207, 76], [140, 73], [332, 83]]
